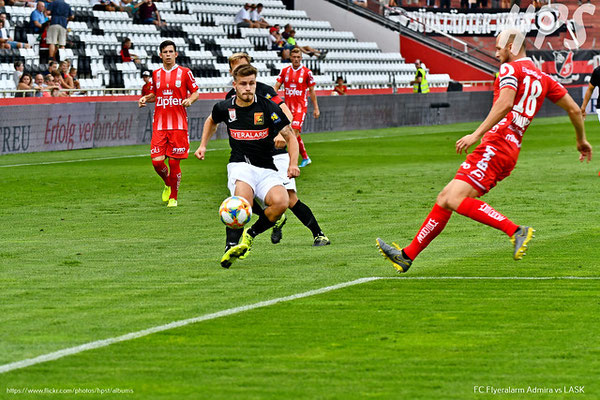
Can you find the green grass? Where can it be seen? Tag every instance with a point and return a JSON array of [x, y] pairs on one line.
[[88, 251]]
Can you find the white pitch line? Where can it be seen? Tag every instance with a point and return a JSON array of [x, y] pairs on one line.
[[177, 324]]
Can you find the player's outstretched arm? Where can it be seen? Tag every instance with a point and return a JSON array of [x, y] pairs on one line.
[[210, 127], [313, 98], [586, 98], [149, 98], [190, 100], [292, 146], [575, 115], [501, 107]]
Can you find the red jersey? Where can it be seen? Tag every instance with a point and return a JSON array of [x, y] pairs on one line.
[[171, 88], [147, 88], [296, 83], [532, 87]]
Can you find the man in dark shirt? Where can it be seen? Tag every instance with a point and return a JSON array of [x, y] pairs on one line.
[[149, 13], [594, 83], [61, 14], [281, 159], [252, 123]]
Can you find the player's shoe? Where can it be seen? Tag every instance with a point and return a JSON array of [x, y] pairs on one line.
[[305, 162], [166, 193], [276, 233], [520, 239], [321, 240], [172, 203], [401, 263], [247, 241], [232, 253]]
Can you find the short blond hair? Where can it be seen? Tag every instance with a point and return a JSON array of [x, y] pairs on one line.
[[238, 56]]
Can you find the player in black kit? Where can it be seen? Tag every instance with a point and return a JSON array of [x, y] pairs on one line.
[[252, 123], [281, 159]]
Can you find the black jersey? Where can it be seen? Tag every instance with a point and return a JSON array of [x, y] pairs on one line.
[[251, 129], [269, 93]]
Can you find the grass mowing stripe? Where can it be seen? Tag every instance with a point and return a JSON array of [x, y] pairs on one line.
[[176, 324]]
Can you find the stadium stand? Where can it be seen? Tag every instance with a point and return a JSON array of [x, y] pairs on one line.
[[206, 35]]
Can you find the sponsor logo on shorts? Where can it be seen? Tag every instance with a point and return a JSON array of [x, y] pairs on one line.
[[154, 150], [513, 139], [179, 150], [249, 134], [427, 229], [259, 118], [482, 165], [465, 165]]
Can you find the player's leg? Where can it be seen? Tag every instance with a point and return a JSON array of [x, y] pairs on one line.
[[234, 249], [158, 151], [306, 216], [178, 147], [297, 127]]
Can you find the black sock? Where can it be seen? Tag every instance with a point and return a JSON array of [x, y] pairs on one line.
[[257, 210], [260, 226], [305, 215], [233, 236]]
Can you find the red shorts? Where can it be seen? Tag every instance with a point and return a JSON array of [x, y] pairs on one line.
[[172, 143], [485, 167], [298, 120]]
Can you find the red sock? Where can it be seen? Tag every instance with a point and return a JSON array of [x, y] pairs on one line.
[[434, 225], [174, 177], [484, 213], [161, 169], [302, 148]]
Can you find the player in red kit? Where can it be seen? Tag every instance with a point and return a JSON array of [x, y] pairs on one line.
[[171, 85], [522, 89], [297, 79]]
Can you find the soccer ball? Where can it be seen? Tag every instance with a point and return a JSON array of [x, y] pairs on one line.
[[235, 212]]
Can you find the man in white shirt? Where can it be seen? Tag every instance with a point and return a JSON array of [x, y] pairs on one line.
[[256, 18], [242, 19]]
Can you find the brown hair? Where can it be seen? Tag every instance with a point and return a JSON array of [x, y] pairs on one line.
[[238, 56], [244, 71]]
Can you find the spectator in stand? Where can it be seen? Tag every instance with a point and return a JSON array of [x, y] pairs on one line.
[[242, 19], [482, 3], [25, 83], [420, 84], [128, 7], [38, 17], [104, 5], [147, 88], [305, 49], [126, 55], [73, 75], [52, 66], [256, 17], [339, 89], [19, 68], [5, 20], [505, 4], [55, 92], [48, 85], [67, 79], [61, 14], [287, 28], [445, 4], [59, 81], [6, 42], [362, 3], [38, 84], [149, 13]]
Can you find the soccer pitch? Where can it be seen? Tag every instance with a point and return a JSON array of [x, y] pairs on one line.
[[89, 253]]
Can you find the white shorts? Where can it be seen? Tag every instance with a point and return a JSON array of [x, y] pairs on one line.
[[56, 35], [260, 179], [282, 162]]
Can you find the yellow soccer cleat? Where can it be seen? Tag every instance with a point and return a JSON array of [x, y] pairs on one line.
[[246, 240], [172, 203], [233, 253], [166, 193], [394, 255], [520, 239]]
